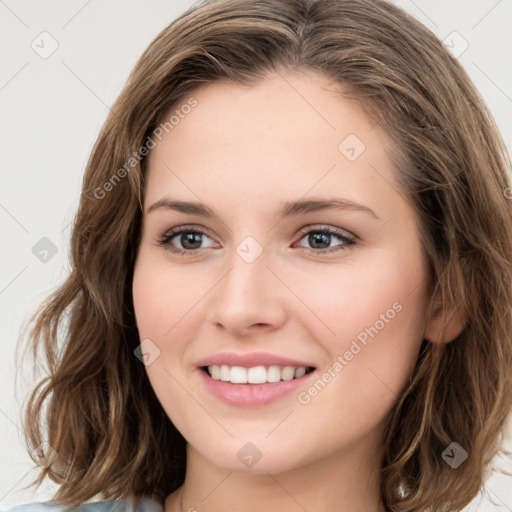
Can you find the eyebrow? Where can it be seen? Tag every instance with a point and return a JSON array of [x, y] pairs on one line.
[[286, 209]]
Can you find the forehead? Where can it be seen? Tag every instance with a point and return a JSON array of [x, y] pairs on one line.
[[290, 135]]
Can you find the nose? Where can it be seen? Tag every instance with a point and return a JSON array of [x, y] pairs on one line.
[[249, 299]]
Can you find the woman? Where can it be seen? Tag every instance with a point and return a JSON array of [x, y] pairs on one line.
[[292, 283]]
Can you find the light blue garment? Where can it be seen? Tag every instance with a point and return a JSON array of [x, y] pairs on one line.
[[146, 505]]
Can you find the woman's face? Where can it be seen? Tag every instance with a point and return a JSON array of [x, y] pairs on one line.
[[259, 284]]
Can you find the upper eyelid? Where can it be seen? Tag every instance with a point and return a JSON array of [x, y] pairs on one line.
[[334, 230], [186, 227]]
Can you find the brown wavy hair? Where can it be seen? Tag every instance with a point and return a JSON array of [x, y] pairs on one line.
[[110, 432]]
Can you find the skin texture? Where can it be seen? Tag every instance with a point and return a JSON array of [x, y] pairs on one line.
[[241, 151]]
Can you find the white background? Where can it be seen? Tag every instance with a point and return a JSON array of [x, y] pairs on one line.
[[52, 110]]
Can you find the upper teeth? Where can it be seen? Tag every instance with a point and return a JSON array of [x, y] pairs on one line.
[[254, 375]]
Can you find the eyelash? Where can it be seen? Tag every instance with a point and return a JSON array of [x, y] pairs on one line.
[[166, 238]]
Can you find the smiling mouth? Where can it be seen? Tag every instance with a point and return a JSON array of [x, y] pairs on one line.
[[256, 374]]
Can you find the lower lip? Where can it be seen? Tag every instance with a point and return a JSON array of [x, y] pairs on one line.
[[252, 395]]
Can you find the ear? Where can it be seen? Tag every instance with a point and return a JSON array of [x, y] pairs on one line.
[[448, 317]]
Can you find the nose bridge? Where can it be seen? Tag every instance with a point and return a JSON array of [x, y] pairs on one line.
[[248, 275], [247, 293]]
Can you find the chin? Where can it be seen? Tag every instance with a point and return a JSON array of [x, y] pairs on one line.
[[255, 459]]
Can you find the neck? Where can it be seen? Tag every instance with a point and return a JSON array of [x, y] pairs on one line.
[[345, 481]]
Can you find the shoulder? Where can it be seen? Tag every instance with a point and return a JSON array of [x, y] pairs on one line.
[[146, 505]]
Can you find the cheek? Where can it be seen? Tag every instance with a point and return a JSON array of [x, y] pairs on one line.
[[366, 372], [167, 303], [345, 300], [161, 295], [377, 297], [161, 301], [376, 314]]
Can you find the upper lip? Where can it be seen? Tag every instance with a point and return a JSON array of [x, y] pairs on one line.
[[250, 360]]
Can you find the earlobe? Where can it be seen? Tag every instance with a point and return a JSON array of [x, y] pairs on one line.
[[445, 328], [446, 323]]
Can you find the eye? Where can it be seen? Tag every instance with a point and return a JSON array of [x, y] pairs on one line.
[[319, 238], [189, 240]]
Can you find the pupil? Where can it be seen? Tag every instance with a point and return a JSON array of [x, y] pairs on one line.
[[190, 238], [324, 238]]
